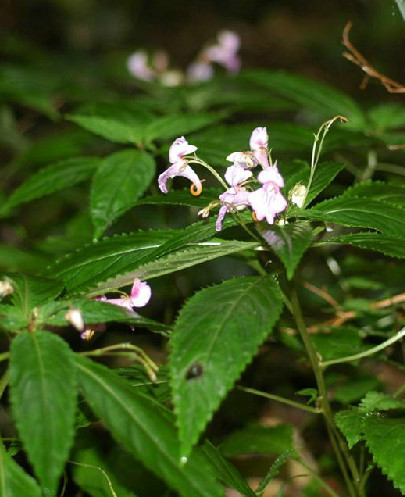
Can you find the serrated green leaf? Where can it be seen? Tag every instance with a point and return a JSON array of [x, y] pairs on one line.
[[97, 262], [43, 384], [14, 481], [145, 429], [225, 471], [215, 337], [120, 180], [325, 173], [33, 291], [53, 178], [385, 439], [379, 401], [325, 100], [197, 254], [392, 246], [289, 242], [350, 423], [258, 439], [377, 190], [93, 266], [274, 469], [359, 213]]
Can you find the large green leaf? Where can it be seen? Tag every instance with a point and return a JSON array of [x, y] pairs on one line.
[[385, 439], [377, 190], [216, 335], [145, 428], [128, 126], [313, 95], [176, 261], [120, 180], [97, 262], [289, 242], [43, 384], [257, 439], [14, 481], [16, 259], [119, 127], [225, 471], [53, 178], [33, 291], [387, 116], [389, 245], [92, 266], [361, 213]]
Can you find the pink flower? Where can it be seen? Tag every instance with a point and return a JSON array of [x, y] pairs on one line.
[[267, 201], [199, 71], [179, 149], [139, 67], [225, 51], [259, 144], [139, 296]]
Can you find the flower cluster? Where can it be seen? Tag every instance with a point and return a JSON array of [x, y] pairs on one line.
[[223, 53], [266, 202]]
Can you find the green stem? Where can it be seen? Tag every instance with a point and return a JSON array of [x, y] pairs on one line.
[[4, 382], [398, 392], [340, 448], [91, 466], [316, 477], [195, 160], [4, 356], [372, 162], [317, 149], [298, 405], [367, 353]]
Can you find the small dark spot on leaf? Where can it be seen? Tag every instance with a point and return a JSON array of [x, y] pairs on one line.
[[194, 371]]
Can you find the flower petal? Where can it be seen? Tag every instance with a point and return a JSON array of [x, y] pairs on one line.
[[140, 293], [221, 214], [271, 175], [259, 138], [179, 148], [237, 174], [138, 66]]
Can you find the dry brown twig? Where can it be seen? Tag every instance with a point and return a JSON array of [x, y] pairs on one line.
[[357, 58], [341, 317]]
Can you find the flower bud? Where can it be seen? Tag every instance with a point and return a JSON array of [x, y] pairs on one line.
[[75, 318]]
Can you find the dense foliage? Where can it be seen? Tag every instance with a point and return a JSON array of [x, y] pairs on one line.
[[294, 295]]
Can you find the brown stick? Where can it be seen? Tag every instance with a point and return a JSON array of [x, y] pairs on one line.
[[357, 58], [341, 317]]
